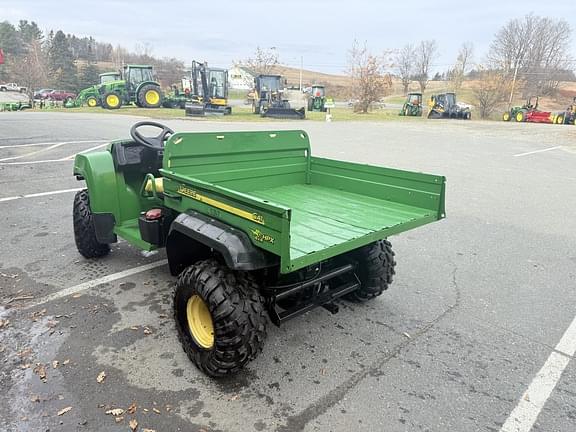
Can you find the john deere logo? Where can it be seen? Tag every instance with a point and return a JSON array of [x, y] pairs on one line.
[[259, 236]]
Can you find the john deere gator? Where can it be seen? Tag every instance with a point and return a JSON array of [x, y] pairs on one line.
[[255, 228]]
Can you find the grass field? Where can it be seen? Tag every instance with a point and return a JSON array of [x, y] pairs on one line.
[[241, 114]]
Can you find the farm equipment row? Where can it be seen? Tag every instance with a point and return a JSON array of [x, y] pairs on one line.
[[530, 113]]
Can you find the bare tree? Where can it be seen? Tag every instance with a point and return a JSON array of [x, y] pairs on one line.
[[491, 90], [535, 49], [369, 85], [462, 62], [31, 69], [119, 55], [263, 61], [404, 65], [426, 53]]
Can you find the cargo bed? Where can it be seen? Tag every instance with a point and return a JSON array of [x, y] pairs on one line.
[[301, 208]]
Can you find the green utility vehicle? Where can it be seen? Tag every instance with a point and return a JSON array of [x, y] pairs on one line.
[[254, 226], [136, 86], [413, 105]]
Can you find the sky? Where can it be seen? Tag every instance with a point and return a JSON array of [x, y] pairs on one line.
[[317, 32]]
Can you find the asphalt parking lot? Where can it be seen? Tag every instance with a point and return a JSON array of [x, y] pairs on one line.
[[482, 301]]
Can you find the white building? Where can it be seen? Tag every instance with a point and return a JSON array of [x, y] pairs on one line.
[[240, 78]]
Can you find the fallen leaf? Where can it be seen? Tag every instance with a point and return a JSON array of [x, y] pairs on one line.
[[233, 398], [65, 362], [52, 323], [133, 425], [132, 408], [407, 335], [25, 366], [25, 353], [101, 377], [148, 430], [64, 410], [35, 398], [60, 397], [115, 412], [4, 323], [119, 419], [145, 409], [168, 408], [322, 371], [77, 295], [40, 370], [147, 331], [527, 398], [55, 364], [162, 316], [156, 410], [135, 328]]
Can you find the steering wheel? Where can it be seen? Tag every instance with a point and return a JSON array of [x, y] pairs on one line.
[[155, 142]]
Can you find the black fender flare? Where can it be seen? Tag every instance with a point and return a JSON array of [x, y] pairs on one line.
[[232, 244]]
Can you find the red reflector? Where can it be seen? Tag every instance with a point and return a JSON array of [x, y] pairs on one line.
[[153, 214]]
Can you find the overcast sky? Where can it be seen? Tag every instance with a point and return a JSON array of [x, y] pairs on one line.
[[320, 31]]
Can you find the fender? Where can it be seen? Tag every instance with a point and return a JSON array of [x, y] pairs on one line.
[[232, 244]]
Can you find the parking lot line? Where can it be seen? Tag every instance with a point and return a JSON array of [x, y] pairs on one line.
[[96, 282], [49, 143], [532, 401], [537, 151], [39, 194]]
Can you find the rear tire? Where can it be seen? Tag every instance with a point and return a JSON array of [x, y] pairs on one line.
[[150, 96], [560, 119], [375, 270], [237, 313], [520, 116], [506, 116], [84, 231]]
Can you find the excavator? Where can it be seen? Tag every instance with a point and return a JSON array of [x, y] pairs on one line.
[[213, 97]]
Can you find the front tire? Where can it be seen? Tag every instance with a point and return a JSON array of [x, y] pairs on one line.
[[112, 100], [375, 270], [92, 102], [84, 231], [220, 317]]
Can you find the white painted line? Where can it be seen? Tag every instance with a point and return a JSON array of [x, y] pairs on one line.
[[533, 400], [96, 282], [66, 159], [39, 194], [537, 151], [49, 143]]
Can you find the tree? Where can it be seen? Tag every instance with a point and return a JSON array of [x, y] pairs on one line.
[[462, 62], [90, 73], [30, 69], [491, 90], [534, 49], [61, 63], [29, 32], [405, 62], [426, 53], [263, 62], [369, 85]]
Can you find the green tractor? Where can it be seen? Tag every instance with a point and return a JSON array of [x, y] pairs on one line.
[[255, 227], [413, 105], [136, 86], [518, 113], [317, 98], [90, 96]]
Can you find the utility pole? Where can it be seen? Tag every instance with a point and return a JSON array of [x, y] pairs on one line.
[[301, 67], [513, 84]]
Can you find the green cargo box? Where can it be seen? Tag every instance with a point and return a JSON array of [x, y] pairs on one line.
[[301, 208]]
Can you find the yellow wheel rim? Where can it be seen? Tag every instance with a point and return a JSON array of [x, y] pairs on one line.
[[152, 97], [200, 322], [91, 102], [506, 116], [519, 116], [112, 100]]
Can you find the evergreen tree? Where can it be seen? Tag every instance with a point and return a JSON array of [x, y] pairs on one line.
[[29, 32], [90, 72], [61, 63]]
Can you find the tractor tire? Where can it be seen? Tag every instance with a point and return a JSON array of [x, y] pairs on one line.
[[520, 116], [92, 102], [375, 270], [255, 108], [506, 116], [560, 119], [84, 231], [220, 317], [112, 100], [434, 115], [150, 96]]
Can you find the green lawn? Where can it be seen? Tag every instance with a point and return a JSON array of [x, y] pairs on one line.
[[243, 114]]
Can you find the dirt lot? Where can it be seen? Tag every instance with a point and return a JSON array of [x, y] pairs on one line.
[[477, 332]]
